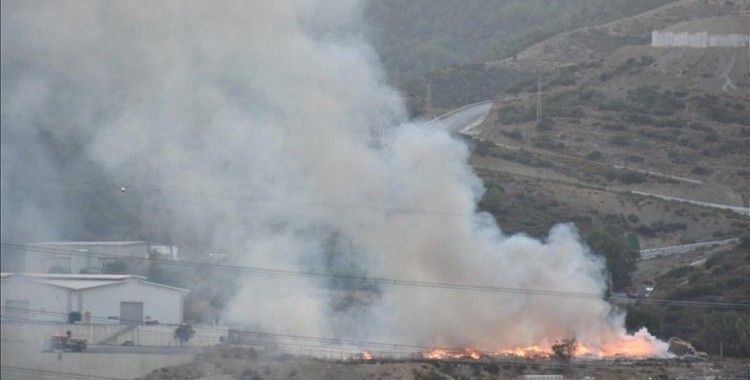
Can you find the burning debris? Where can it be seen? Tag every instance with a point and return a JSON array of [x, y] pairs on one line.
[[638, 346], [363, 356], [466, 353]]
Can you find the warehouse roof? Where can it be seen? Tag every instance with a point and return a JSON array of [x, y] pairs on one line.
[[86, 281]]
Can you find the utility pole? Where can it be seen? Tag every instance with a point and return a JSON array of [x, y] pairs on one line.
[[428, 98], [539, 99]]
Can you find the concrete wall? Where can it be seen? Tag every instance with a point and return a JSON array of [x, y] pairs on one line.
[[159, 335], [698, 40]]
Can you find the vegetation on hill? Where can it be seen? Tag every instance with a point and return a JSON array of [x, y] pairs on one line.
[[417, 37], [721, 278]]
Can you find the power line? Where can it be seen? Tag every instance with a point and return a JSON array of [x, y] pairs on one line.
[[289, 274], [56, 374], [248, 199], [315, 342], [383, 351]]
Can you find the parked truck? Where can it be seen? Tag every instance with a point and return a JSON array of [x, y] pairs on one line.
[[65, 342]]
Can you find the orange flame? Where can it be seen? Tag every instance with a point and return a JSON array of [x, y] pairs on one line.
[[526, 352], [364, 355], [466, 353], [640, 345]]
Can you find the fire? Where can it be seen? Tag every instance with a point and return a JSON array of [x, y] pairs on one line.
[[640, 345], [466, 353], [364, 355], [526, 352], [637, 346]]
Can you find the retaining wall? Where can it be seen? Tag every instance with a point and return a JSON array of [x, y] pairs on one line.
[[141, 335]]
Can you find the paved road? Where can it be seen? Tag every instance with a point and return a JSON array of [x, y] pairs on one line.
[[464, 119], [662, 175], [740, 210], [684, 248]]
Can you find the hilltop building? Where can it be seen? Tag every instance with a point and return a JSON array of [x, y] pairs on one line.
[[726, 32]]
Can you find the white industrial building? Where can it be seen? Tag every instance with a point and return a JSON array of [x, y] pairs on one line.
[[90, 256], [699, 40], [98, 298]]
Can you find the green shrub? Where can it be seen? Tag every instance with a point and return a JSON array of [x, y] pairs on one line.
[[620, 140], [548, 143], [630, 177], [595, 155], [701, 170], [638, 118], [516, 115], [546, 124], [514, 134], [690, 292], [678, 272]]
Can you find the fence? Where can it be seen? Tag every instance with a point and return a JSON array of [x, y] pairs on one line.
[[141, 335]]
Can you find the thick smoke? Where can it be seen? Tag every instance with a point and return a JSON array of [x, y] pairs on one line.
[[266, 128]]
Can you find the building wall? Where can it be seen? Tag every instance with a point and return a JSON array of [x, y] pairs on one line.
[[698, 40], [84, 257], [161, 304], [46, 298]]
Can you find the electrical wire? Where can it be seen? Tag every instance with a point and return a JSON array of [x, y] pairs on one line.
[[370, 281]]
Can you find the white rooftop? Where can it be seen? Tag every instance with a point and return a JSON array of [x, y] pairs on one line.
[[84, 281]]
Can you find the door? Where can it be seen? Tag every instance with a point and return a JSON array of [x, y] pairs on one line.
[[131, 312]]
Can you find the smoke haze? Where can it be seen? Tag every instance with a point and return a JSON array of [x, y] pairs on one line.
[[267, 127]]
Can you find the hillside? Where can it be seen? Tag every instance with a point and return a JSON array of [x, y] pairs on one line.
[[417, 37], [580, 48], [716, 275], [621, 120]]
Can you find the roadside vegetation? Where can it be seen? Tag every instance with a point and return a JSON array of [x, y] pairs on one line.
[[723, 277]]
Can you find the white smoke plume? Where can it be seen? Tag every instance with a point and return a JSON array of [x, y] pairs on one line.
[[263, 124]]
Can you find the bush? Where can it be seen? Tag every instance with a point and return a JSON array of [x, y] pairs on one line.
[[514, 134], [638, 118], [595, 155], [669, 123], [630, 178], [547, 142], [524, 157], [699, 127], [701, 170], [678, 272], [691, 292], [728, 331], [659, 227], [516, 115], [634, 158], [546, 124], [620, 140], [619, 254]]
